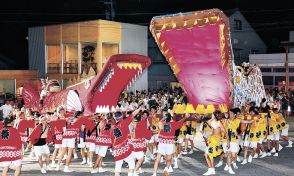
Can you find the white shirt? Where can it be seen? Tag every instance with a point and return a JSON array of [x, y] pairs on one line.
[[6, 109]]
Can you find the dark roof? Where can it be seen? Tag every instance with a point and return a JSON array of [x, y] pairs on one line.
[[231, 11]]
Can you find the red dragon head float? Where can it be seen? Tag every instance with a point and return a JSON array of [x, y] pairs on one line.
[[101, 91], [198, 49]]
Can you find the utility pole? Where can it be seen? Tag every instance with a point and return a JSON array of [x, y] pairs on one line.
[[287, 45], [109, 12]]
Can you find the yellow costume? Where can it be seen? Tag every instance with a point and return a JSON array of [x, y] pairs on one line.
[[225, 123], [234, 125], [192, 125], [183, 132], [262, 127], [272, 122], [254, 133], [154, 123], [281, 122], [214, 147]]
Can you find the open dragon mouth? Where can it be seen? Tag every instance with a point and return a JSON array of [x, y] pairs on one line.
[[197, 47], [119, 73], [119, 76]]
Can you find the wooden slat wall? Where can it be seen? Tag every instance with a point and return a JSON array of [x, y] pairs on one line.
[[53, 34], [70, 33], [18, 74], [109, 31], [88, 31]]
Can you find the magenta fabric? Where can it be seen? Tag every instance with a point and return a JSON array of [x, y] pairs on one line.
[[197, 53]]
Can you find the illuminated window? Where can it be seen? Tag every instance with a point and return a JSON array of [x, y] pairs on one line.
[[54, 59], [70, 58]]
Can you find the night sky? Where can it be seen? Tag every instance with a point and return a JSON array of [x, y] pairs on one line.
[[271, 19]]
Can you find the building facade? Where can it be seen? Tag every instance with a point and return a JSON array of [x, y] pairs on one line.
[[244, 39], [65, 51], [273, 66]]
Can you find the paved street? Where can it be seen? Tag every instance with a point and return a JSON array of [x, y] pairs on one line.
[[188, 165]]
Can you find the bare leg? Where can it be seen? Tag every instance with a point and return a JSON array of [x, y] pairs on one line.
[[156, 162], [64, 149], [245, 153], [40, 161], [208, 161], [229, 155], [69, 156], [17, 171], [54, 155], [139, 164], [47, 159], [5, 171], [168, 160], [97, 162]]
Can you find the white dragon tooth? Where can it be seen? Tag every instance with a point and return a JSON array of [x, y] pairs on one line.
[[107, 109], [98, 109], [112, 109], [103, 109], [119, 65]]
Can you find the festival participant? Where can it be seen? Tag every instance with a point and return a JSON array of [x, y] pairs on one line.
[[252, 136], [10, 148], [153, 119], [273, 134], [6, 108], [263, 133], [86, 124], [24, 126], [92, 133], [214, 141], [139, 134], [283, 127], [68, 141], [120, 136], [40, 137], [181, 139], [57, 128], [166, 140], [103, 142], [191, 131], [227, 151]]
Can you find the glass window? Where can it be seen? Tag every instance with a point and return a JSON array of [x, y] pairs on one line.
[[291, 78], [109, 49], [279, 70], [89, 57], [291, 69], [70, 61], [267, 80], [279, 79], [238, 25], [54, 59], [7, 89], [266, 69]]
